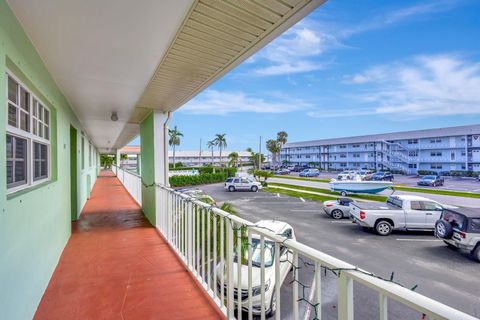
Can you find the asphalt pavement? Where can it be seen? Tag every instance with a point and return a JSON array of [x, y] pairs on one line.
[[416, 258]]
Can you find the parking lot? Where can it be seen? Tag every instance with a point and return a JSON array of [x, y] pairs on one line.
[[415, 258], [451, 183]]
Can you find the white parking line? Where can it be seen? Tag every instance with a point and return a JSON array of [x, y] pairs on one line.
[[278, 195], [303, 200], [419, 240]]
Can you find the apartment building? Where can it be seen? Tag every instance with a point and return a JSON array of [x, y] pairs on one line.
[[441, 149]]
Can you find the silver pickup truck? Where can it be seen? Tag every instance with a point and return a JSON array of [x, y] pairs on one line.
[[402, 212]]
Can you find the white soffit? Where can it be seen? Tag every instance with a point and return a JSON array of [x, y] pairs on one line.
[[101, 54]]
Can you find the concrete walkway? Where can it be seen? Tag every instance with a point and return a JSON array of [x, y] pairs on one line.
[[116, 266]]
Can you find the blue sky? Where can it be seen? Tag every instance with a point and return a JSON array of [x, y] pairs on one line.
[[349, 68]]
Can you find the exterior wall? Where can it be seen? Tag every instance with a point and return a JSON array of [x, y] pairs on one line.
[[35, 223], [459, 152]]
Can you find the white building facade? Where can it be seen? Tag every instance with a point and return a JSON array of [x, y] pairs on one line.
[[438, 150]]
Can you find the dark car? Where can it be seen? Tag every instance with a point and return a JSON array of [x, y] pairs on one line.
[[431, 180], [460, 228], [382, 176], [299, 168]]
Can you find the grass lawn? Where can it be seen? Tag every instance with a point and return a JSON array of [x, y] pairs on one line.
[[301, 178], [439, 191], [296, 194], [327, 191]]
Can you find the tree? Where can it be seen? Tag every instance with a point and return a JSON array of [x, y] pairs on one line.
[[221, 143], [174, 140], [211, 144], [282, 137], [233, 156], [274, 146], [254, 159], [262, 174]]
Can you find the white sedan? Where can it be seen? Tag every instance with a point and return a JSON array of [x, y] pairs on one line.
[[277, 227]]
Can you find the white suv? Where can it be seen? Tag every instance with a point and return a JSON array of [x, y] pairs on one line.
[[286, 258], [242, 183]]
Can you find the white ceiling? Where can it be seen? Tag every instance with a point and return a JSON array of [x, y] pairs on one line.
[[133, 56], [101, 54]]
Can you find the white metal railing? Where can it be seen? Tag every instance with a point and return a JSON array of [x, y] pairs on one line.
[[131, 181], [208, 240]]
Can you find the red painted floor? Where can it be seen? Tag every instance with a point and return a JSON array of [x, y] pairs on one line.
[[116, 266]]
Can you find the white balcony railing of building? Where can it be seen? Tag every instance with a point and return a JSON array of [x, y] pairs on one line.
[[205, 237], [131, 181]]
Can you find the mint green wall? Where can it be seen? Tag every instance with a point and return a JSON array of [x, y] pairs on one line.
[[35, 223], [148, 168]]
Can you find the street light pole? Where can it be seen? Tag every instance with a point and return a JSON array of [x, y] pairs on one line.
[[260, 154]]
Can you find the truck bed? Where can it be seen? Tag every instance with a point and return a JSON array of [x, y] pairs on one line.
[[374, 206]]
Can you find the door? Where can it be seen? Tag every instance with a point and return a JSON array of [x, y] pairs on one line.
[[415, 217], [432, 213], [245, 184], [73, 173]]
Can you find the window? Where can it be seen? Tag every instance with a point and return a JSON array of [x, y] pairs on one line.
[[412, 165], [431, 206], [452, 156], [16, 161], [356, 146], [412, 153], [27, 138], [343, 147], [413, 141], [435, 166], [356, 155], [435, 154]]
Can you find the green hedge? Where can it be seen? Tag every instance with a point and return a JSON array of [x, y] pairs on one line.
[[203, 178], [453, 173], [228, 170]]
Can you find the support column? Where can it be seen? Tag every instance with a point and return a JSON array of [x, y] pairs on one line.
[[139, 164], [154, 168], [117, 157]]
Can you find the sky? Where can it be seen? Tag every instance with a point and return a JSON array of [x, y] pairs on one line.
[[349, 68]]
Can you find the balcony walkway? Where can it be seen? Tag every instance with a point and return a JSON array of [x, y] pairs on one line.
[[116, 266]]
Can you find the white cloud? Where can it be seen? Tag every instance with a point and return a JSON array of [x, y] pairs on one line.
[[437, 85], [215, 102]]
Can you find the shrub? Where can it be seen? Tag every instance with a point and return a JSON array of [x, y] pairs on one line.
[[425, 172], [203, 178]]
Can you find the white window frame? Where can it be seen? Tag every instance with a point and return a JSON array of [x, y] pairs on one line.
[[29, 136]]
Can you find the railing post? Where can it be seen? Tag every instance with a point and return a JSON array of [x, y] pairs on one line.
[[383, 306], [230, 306], [345, 297]]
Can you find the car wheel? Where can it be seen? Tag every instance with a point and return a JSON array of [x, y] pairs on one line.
[[383, 228], [231, 188], [254, 188], [273, 305], [343, 193], [337, 214], [476, 253], [443, 229]]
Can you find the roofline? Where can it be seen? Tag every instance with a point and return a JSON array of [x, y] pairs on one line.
[[399, 135]]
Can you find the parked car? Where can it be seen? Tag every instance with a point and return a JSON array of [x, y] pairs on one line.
[[382, 176], [365, 174], [402, 212], [347, 175], [460, 228], [242, 183], [286, 258], [299, 168], [338, 209], [282, 172], [431, 180], [310, 173]]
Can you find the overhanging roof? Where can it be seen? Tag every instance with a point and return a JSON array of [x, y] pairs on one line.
[[136, 56]]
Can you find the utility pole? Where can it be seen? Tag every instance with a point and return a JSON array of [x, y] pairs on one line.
[[260, 154]]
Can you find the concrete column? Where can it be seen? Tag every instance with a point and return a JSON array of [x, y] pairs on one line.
[[139, 164], [117, 157], [154, 167]]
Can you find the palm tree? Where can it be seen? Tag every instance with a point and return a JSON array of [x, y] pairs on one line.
[[221, 143], [233, 156], [282, 137], [174, 140], [274, 146], [211, 144]]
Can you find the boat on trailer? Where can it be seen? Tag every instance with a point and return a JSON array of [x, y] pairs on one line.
[[358, 186]]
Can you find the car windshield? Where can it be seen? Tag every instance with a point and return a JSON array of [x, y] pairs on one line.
[[428, 178], [269, 249], [344, 172], [379, 174]]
